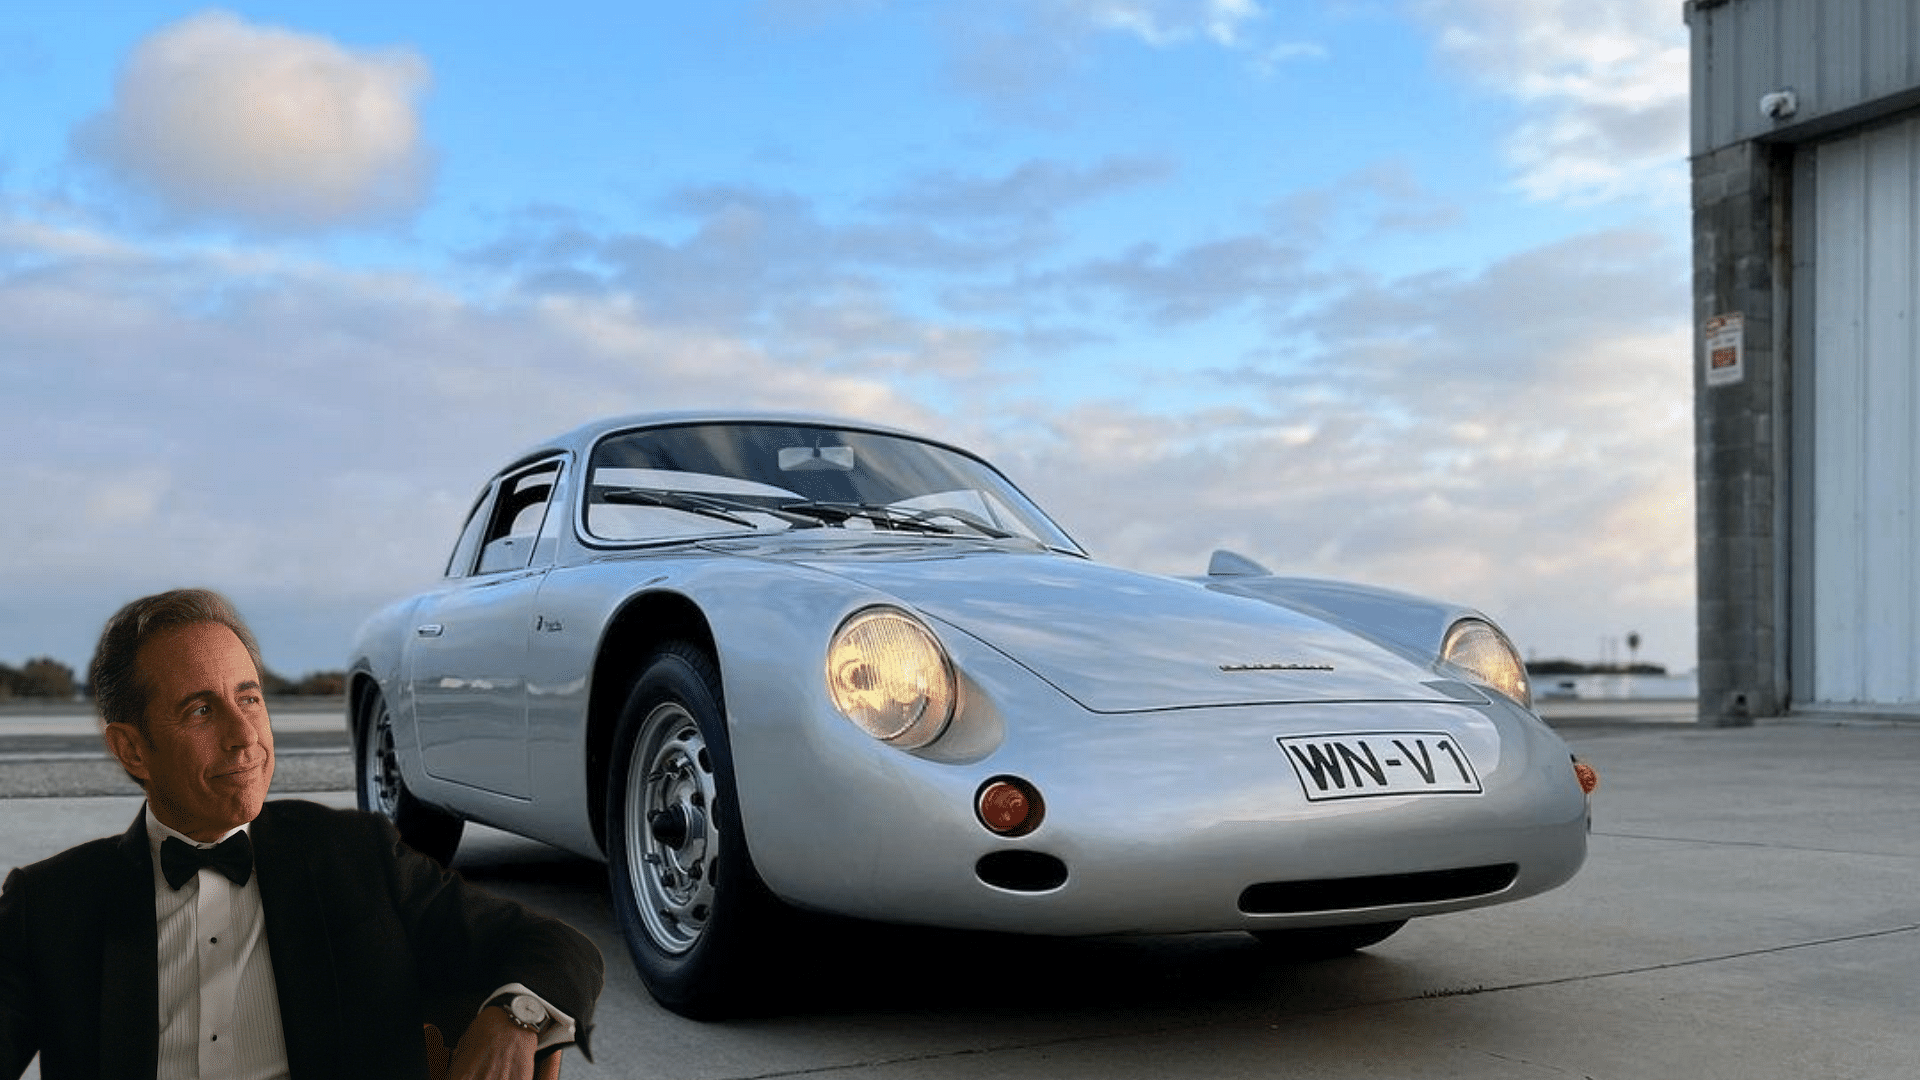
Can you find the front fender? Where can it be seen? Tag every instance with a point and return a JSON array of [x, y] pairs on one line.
[[377, 659], [1415, 627]]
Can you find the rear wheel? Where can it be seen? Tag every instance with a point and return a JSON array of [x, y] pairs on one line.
[[429, 831], [695, 915], [1323, 942]]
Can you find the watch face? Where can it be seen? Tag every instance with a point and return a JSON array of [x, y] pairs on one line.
[[527, 1011]]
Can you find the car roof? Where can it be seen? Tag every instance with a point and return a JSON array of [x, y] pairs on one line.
[[581, 438]]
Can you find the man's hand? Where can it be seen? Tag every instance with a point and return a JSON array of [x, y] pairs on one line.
[[494, 1048]]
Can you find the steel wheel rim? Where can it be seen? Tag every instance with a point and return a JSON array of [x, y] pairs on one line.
[[671, 840], [383, 766]]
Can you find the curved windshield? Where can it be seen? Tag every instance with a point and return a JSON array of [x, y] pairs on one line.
[[701, 479]]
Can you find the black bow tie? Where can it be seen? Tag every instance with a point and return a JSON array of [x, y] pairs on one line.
[[179, 860]]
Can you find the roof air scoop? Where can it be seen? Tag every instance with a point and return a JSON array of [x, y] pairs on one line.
[[1233, 564]]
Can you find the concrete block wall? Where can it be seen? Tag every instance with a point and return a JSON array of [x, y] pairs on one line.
[[1740, 259]]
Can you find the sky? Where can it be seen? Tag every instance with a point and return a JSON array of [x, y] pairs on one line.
[[1386, 290]]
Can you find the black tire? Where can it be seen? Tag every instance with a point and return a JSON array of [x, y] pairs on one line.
[[428, 830], [697, 918], [1326, 942]]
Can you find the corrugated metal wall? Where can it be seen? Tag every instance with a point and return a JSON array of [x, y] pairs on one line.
[[1836, 55], [1865, 528]]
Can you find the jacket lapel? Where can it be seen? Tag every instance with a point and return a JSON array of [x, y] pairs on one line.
[[299, 939], [129, 965]]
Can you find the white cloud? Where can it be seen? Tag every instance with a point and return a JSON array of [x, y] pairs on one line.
[[1197, 283], [1272, 58], [131, 498], [222, 119], [1518, 440], [1603, 88], [1019, 57], [1161, 23], [306, 438], [302, 437], [41, 237], [1036, 188]]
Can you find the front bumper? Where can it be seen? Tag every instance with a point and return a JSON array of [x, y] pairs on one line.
[[1184, 820]]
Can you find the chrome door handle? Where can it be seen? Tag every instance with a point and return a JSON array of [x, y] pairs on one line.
[[432, 629]]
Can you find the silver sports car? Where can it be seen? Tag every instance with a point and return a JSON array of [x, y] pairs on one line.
[[758, 662]]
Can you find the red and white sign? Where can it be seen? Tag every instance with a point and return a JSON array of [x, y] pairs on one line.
[[1723, 349]]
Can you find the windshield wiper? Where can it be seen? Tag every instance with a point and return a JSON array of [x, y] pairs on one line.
[[839, 513], [895, 517], [965, 517], [718, 507]]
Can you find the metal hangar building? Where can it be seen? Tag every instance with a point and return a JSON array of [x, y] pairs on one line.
[[1806, 239]]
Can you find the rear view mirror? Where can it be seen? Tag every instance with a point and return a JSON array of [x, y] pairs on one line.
[[816, 459]]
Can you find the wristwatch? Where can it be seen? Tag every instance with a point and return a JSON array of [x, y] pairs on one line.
[[525, 1010]]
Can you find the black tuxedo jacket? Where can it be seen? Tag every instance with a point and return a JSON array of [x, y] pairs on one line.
[[365, 935]]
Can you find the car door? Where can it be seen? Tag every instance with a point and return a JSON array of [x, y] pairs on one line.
[[468, 651]]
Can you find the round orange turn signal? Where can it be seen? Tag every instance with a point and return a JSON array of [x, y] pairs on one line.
[[1009, 806], [1589, 779]]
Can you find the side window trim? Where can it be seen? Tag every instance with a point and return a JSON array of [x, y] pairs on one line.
[[547, 547], [502, 547], [460, 562]]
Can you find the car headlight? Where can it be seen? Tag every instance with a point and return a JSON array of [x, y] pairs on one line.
[[888, 674], [1482, 651]]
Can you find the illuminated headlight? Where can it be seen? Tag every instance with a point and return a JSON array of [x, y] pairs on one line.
[[889, 675], [1482, 651]]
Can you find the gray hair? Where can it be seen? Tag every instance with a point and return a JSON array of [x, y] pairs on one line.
[[118, 690]]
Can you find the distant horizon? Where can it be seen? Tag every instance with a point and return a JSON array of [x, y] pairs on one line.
[[1534, 666]]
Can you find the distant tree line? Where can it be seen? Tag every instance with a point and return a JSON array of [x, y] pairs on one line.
[[46, 679], [312, 684], [1578, 667], [40, 677]]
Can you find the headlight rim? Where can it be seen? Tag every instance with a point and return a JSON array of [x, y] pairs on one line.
[[918, 734]]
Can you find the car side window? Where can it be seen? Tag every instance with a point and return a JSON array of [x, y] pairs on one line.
[[462, 558], [519, 507]]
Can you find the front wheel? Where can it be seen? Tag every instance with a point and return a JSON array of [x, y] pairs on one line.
[[1325, 942], [693, 910], [429, 831]]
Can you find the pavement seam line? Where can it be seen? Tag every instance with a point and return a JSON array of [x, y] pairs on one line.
[[1749, 844], [1042, 1044], [1771, 950], [1539, 1066]]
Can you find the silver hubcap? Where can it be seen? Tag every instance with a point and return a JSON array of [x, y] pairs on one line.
[[671, 841], [383, 765]]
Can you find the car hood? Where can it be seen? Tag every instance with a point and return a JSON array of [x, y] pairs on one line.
[[1120, 641]]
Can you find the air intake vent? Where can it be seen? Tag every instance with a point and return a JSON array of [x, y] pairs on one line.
[[1386, 890], [1021, 871]]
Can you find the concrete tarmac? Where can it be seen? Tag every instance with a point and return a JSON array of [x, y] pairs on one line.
[[1750, 910]]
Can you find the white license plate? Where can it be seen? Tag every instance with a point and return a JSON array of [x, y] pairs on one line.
[[1380, 763]]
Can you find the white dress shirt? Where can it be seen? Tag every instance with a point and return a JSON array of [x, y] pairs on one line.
[[219, 1008], [219, 1011]]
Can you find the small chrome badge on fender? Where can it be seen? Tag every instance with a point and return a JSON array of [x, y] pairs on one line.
[[1276, 667]]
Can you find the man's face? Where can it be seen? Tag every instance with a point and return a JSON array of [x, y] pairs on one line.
[[207, 757]]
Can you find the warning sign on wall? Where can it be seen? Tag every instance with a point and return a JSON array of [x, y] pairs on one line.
[[1724, 349]]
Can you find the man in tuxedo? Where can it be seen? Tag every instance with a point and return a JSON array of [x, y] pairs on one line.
[[223, 936]]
